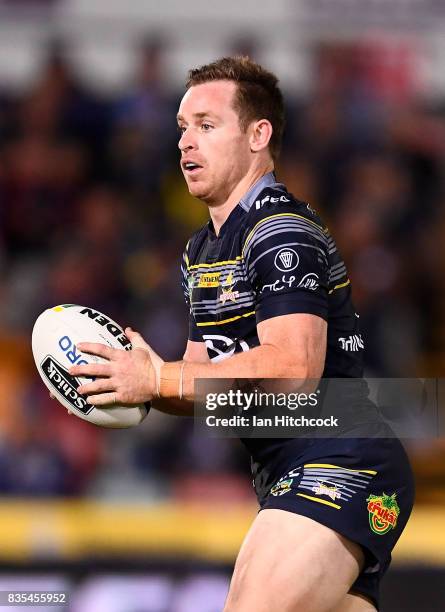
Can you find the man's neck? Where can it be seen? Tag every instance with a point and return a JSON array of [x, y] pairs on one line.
[[220, 213]]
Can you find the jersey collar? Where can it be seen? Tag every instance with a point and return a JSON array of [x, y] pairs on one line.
[[245, 203], [249, 198]]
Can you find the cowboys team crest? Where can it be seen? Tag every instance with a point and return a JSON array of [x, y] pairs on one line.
[[227, 290], [321, 488]]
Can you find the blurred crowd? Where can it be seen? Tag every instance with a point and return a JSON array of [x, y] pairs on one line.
[[94, 211]]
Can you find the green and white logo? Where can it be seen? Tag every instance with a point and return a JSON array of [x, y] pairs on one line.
[[282, 487]]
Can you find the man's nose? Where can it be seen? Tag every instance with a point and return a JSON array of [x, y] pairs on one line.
[[187, 141]]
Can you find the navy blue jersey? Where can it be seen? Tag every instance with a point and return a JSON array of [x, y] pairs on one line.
[[273, 256]]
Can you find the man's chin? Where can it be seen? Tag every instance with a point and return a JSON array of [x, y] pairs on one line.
[[197, 190]]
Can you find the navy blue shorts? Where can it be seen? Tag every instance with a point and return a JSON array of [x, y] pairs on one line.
[[361, 488]]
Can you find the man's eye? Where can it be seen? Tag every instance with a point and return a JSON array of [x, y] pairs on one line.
[[206, 127], [181, 129]]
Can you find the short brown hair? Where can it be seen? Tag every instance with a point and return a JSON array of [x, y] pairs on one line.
[[258, 95]]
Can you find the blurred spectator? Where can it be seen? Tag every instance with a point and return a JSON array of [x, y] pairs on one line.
[[144, 137]]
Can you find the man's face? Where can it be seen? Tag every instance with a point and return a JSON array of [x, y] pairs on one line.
[[215, 153]]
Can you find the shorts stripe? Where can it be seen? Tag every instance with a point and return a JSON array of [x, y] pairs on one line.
[[337, 467], [320, 501]]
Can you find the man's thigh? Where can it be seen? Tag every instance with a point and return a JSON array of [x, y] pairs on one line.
[[354, 603], [291, 563]]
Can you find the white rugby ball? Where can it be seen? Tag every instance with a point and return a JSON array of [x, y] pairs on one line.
[[56, 333]]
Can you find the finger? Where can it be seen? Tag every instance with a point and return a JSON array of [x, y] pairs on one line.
[[91, 369], [93, 348], [98, 386], [103, 399], [136, 339]]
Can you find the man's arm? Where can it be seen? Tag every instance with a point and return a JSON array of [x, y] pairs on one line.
[[291, 346], [195, 352]]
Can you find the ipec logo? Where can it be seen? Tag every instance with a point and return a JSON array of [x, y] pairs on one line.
[[383, 512]]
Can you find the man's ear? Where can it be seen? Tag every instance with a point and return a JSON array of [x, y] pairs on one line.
[[260, 135]]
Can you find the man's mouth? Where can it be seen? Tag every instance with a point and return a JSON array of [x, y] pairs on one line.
[[191, 167]]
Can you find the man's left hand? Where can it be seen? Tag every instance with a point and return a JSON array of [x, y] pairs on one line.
[[127, 377]]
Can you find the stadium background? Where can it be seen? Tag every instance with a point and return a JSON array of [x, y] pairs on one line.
[[93, 210]]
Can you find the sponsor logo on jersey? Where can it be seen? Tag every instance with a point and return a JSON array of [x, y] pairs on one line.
[[323, 489], [268, 198], [309, 281], [65, 384], [286, 260], [383, 512], [209, 279], [221, 347], [352, 343], [282, 487], [279, 285]]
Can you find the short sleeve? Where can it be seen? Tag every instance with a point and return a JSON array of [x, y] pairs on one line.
[[186, 279], [286, 257]]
